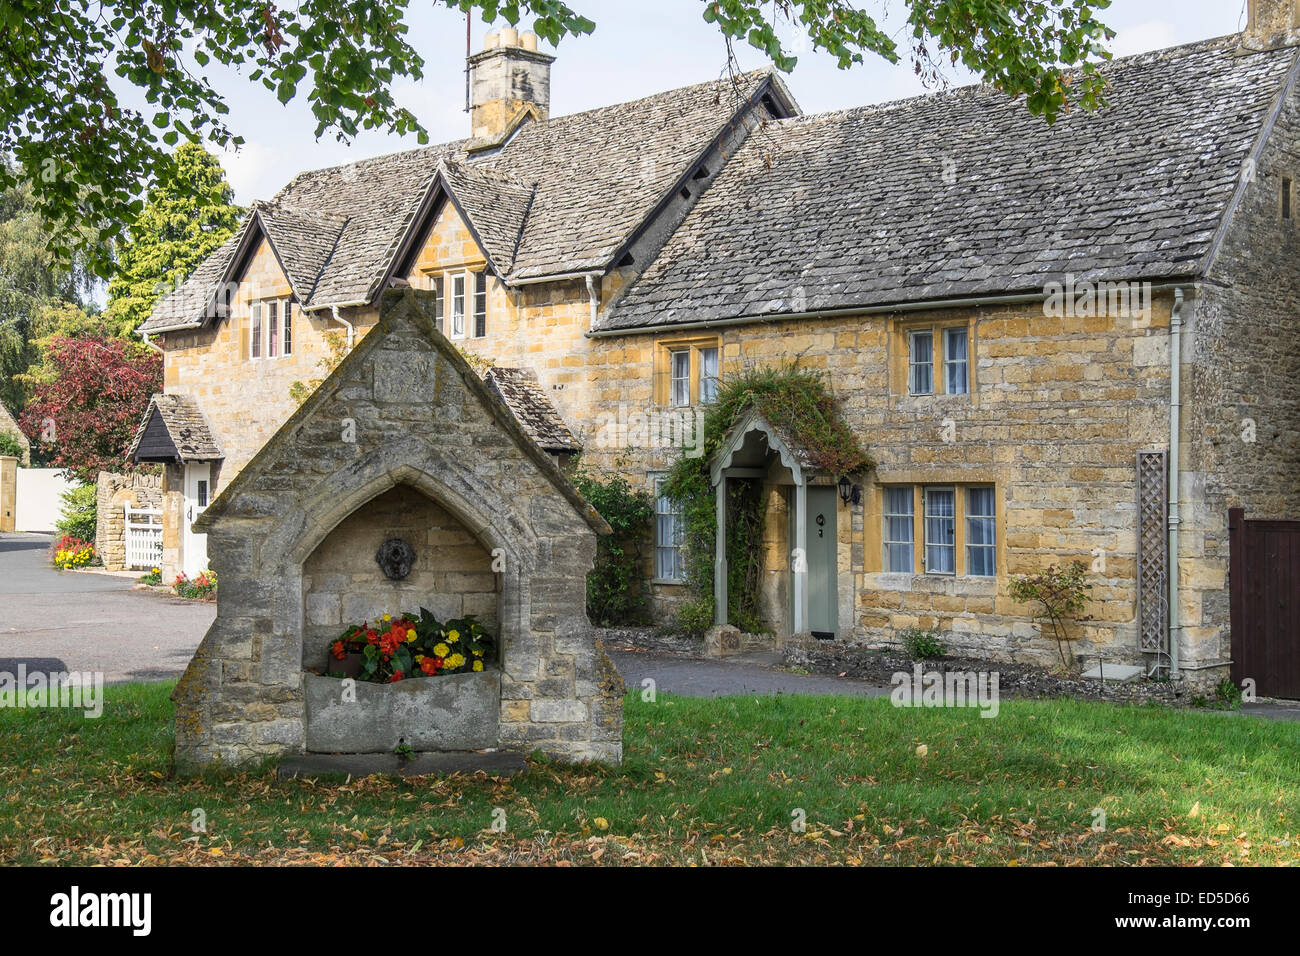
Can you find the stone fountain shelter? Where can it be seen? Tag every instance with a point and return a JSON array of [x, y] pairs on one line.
[[403, 440]]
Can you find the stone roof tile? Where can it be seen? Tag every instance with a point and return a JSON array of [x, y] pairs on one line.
[[965, 193]]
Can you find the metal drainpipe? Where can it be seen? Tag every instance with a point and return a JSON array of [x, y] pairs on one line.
[[1175, 518], [345, 323], [157, 348]]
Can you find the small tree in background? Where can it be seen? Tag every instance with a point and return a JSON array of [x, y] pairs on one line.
[[1062, 593], [188, 213], [90, 410]]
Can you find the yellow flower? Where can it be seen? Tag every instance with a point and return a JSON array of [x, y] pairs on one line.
[[410, 635], [387, 617], [456, 660], [418, 658], [441, 650], [453, 636], [478, 665], [478, 653]]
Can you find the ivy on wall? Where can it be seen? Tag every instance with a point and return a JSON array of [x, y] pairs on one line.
[[797, 402]]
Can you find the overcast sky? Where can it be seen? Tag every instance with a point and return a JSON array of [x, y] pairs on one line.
[[640, 47]]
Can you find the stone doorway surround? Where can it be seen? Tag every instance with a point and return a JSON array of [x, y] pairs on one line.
[[402, 411]]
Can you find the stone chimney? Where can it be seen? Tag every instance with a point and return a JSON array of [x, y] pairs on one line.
[[508, 77], [1272, 24]]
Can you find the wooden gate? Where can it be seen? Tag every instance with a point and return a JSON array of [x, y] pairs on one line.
[[144, 538], [1264, 577]]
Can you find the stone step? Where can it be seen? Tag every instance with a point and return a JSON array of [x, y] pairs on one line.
[[1115, 673], [497, 763]]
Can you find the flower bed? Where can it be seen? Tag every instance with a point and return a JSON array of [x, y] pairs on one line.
[[202, 588], [413, 645], [72, 552]]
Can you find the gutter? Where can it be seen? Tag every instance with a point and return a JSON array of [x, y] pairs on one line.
[[144, 336], [848, 311], [559, 277], [1175, 474]]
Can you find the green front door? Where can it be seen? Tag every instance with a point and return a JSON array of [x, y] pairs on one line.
[[823, 604]]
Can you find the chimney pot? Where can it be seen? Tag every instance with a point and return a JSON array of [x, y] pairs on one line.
[[509, 76]]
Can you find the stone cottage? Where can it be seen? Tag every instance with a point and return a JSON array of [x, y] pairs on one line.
[[403, 442], [1059, 343]]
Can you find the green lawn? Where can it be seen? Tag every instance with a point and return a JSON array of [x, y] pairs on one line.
[[704, 781]]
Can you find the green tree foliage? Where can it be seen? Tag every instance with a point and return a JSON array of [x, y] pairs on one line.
[[1062, 594], [78, 516], [89, 154], [189, 212], [616, 591], [31, 281]]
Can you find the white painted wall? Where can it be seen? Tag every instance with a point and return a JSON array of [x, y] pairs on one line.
[[39, 505]]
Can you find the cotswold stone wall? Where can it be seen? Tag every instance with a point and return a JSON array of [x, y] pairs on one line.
[[1241, 414], [113, 492], [1058, 409], [420, 423]]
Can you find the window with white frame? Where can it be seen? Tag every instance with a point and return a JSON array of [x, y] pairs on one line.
[[708, 389], [668, 535], [920, 363], [956, 362], [938, 360], [981, 524], [900, 530], [460, 302], [456, 305], [680, 381], [942, 511], [480, 304], [255, 331], [270, 329], [940, 531]]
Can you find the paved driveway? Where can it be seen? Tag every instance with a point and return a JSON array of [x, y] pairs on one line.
[[84, 621]]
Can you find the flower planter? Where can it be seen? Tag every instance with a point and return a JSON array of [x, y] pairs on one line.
[[429, 714]]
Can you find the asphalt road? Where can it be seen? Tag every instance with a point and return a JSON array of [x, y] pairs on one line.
[[87, 621]]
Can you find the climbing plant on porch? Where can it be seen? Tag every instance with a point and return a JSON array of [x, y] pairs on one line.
[[800, 403]]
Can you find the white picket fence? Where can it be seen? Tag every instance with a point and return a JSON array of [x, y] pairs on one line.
[[144, 543]]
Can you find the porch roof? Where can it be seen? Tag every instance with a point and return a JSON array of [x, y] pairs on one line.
[[751, 442], [174, 430]]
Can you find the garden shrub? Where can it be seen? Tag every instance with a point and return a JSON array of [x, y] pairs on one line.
[[922, 644], [9, 446], [79, 513], [616, 586]]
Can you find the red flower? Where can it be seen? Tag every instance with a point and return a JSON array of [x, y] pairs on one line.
[[339, 650], [430, 665], [397, 675]]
